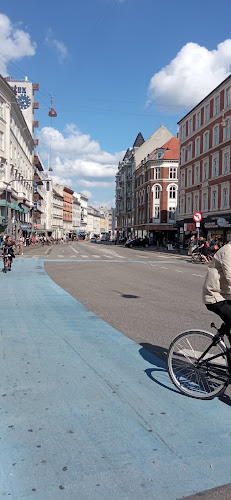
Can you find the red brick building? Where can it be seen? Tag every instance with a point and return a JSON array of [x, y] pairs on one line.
[[204, 179], [156, 181]]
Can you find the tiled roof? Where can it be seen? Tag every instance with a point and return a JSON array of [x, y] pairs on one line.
[[173, 146]]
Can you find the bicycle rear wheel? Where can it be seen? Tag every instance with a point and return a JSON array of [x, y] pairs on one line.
[[202, 379]]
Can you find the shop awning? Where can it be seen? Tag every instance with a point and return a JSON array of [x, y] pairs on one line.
[[3, 203]]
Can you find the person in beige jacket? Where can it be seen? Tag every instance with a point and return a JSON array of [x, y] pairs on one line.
[[217, 286]]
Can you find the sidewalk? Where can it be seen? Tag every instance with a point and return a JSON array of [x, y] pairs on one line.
[[88, 414]]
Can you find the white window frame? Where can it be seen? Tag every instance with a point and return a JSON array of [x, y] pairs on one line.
[[172, 172], [196, 201], [206, 141], [157, 191], [216, 105], [227, 129], [214, 206], [215, 165], [1, 140], [197, 146], [182, 205], [207, 112], [226, 160], [182, 179], [204, 201], [216, 135], [190, 126], [156, 214], [197, 170], [205, 168], [157, 173], [228, 96], [189, 176], [225, 200], [198, 119], [189, 203], [182, 156], [1, 109], [172, 192], [184, 131], [189, 149]]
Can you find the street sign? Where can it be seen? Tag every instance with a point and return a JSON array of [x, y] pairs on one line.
[[197, 217]]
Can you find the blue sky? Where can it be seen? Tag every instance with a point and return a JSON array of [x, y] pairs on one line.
[[116, 68]]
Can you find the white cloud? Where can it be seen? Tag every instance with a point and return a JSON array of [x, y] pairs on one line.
[[191, 75], [76, 155], [105, 204], [61, 180], [15, 43], [95, 184], [87, 193], [60, 48]]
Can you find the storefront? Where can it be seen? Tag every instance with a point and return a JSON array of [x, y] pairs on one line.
[[217, 227], [213, 226]]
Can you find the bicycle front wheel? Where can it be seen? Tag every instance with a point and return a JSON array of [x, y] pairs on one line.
[[194, 374]]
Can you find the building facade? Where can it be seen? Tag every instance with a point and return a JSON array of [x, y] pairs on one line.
[[125, 190], [93, 222], [16, 165], [204, 181], [57, 214], [156, 180]]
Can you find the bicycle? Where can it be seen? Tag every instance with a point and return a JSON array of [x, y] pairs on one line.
[[7, 260], [199, 362]]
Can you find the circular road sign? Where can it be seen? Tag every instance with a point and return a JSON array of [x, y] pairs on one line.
[[197, 217]]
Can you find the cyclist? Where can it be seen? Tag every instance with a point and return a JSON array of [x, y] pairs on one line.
[[217, 286], [8, 248]]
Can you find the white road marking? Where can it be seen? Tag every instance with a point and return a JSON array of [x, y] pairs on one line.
[[177, 271], [153, 265], [85, 256], [74, 250], [96, 256], [164, 267], [201, 275], [108, 256], [62, 256], [46, 252]]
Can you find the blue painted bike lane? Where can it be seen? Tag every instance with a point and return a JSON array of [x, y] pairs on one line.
[[86, 413]]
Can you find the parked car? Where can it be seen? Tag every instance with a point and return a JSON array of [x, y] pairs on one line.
[[137, 242], [93, 239]]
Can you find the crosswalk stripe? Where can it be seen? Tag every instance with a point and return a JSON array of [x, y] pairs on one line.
[[108, 256], [84, 256], [96, 256]]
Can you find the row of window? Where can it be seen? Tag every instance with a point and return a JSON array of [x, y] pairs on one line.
[[186, 175], [210, 109], [193, 204], [172, 193], [206, 142], [156, 215], [158, 174]]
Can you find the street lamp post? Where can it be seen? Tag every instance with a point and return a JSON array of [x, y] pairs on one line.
[[39, 183]]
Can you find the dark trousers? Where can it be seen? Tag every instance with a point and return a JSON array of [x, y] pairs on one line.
[[222, 309]]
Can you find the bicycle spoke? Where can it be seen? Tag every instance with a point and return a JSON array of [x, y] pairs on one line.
[[203, 379]]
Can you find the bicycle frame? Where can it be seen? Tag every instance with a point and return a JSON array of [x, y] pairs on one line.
[[217, 338]]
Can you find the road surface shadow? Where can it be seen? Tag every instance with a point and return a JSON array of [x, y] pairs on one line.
[[149, 353], [157, 355]]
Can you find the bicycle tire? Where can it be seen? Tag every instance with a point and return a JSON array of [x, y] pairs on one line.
[[4, 265], [200, 382]]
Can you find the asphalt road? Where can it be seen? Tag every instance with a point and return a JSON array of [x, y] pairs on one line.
[[148, 296]]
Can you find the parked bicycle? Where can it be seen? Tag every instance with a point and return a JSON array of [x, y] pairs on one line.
[[199, 362]]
